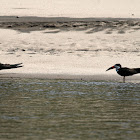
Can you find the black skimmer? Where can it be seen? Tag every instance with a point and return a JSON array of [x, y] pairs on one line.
[[124, 71], [9, 66]]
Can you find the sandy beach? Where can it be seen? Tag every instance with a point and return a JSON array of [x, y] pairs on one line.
[[69, 47]]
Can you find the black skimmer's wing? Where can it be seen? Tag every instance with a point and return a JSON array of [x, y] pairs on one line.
[[137, 70], [10, 66], [127, 71]]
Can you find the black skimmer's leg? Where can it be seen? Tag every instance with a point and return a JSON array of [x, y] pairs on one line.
[[124, 79]]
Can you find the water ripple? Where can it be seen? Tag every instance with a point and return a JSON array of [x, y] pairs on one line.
[[68, 109]]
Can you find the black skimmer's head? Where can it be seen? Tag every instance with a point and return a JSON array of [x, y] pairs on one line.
[[117, 66]]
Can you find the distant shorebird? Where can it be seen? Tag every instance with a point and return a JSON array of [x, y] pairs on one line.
[[9, 66], [124, 71]]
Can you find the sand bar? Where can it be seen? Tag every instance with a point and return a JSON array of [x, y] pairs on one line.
[[69, 48], [75, 47], [53, 44]]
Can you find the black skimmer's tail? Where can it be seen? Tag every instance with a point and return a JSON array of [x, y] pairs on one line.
[[124, 71], [10, 66]]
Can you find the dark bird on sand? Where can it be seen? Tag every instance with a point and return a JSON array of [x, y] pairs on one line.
[[124, 71], [10, 66]]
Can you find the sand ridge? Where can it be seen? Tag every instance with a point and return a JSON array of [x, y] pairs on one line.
[[28, 24]]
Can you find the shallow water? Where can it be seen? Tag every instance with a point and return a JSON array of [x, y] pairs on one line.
[[66, 109]]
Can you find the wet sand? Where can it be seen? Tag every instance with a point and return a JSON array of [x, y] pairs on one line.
[[101, 77]]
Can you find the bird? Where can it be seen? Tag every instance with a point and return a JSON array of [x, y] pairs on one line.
[[124, 71], [10, 66]]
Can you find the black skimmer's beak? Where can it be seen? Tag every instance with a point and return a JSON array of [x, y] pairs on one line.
[[110, 68]]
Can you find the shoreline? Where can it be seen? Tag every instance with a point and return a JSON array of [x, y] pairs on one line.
[[97, 77]]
